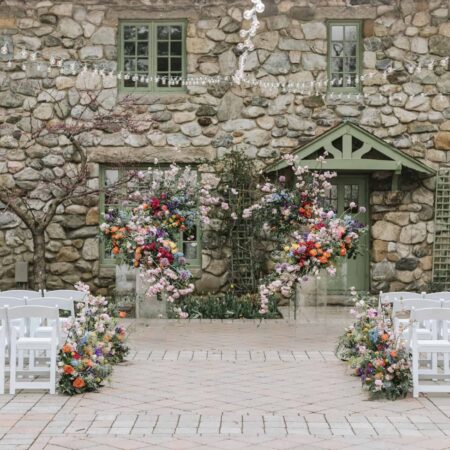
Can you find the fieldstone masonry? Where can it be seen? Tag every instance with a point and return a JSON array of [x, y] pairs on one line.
[[206, 121]]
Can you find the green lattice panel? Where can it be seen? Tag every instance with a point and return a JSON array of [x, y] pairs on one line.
[[441, 250]]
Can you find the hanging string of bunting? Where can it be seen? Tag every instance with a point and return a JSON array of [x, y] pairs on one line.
[[31, 60]]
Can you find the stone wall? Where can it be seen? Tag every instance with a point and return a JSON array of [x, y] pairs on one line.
[[204, 122]]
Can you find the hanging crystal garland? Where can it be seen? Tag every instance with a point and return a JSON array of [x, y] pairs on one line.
[[247, 46]]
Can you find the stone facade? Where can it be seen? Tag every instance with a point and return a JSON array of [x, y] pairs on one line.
[[205, 121]]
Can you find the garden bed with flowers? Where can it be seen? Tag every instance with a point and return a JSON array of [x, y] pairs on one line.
[[224, 306], [374, 352]]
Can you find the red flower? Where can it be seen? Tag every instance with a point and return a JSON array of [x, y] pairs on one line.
[[155, 203], [76, 356]]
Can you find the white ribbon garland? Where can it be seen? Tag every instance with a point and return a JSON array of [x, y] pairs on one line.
[[247, 46]]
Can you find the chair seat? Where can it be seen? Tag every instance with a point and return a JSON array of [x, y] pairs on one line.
[[34, 343]]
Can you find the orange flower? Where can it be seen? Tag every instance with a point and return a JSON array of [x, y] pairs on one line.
[[69, 370], [394, 353], [122, 314], [384, 337], [313, 252], [116, 250], [343, 251], [114, 229], [67, 348], [78, 383], [318, 245]]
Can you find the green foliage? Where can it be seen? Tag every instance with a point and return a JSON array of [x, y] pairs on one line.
[[225, 306]]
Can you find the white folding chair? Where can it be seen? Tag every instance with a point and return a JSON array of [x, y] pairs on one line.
[[31, 343], [39, 330], [438, 344], [3, 348], [20, 293], [19, 324], [385, 298], [78, 296], [445, 296]]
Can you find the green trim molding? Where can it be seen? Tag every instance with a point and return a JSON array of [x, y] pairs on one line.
[[347, 145]]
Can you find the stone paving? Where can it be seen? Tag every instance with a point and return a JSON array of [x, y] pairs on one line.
[[230, 384]]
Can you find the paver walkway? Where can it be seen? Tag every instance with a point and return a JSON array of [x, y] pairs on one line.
[[237, 384]]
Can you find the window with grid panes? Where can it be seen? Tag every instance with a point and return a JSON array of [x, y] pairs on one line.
[[152, 56], [344, 55], [117, 198]]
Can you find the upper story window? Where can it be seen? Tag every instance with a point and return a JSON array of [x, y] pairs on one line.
[[344, 55], [152, 56]]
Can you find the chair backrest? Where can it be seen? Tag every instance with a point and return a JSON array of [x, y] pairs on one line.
[[12, 301], [389, 297], [65, 304], [20, 293], [42, 312], [65, 293], [434, 315], [439, 295], [418, 303]]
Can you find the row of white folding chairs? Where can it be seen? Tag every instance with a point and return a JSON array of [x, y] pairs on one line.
[[389, 297], [62, 293], [401, 325], [16, 341], [437, 320], [65, 304]]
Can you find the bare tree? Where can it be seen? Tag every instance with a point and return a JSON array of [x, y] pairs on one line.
[[125, 115]]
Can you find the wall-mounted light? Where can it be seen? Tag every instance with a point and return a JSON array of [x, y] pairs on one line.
[[6, 48]]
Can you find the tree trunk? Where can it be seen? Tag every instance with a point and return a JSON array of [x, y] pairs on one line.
[[39, 268]]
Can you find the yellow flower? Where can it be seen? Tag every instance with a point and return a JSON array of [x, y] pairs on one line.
[[286, 248]]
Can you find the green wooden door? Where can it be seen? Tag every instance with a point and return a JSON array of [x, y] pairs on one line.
[[351, 272]]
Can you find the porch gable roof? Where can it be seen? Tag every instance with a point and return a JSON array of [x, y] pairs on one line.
[[348, 158]]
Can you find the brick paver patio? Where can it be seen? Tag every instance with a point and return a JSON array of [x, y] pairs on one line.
[[236, 384]]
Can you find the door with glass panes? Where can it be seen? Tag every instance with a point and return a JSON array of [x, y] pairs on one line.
[[350, 272]]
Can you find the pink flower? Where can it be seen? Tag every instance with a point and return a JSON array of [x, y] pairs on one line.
[[225, 206]]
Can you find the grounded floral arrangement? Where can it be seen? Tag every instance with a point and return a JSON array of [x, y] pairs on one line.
[[94, 343], [373, 351]]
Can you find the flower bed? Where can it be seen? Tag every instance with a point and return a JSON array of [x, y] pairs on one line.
[[225, 306], [94, 344], [372, 350]]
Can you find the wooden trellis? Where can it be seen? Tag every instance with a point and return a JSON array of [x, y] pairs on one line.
[[441, 250], [243, 264]]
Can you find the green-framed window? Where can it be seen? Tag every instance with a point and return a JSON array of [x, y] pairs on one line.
[[117, 199], [344, 55], [152, 56]]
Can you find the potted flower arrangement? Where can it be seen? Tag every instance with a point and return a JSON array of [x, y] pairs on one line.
[[144, 235]]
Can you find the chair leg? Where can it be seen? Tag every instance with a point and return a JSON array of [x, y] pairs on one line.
[[12, 369], [53, 369], [2, 364], [21, 354], [415, 373]]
